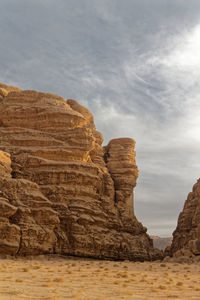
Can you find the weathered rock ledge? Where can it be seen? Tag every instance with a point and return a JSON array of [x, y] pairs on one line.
[[60, 190]]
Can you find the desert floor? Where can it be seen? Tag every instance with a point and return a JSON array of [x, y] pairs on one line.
[[56, 277]]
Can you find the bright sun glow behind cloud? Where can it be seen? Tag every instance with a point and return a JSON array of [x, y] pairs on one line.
[[182, 69], [185, 54], [179, 62]]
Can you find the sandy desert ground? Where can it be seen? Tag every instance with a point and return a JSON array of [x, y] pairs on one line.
[[56, 277]]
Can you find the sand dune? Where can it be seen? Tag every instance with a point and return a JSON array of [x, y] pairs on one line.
[[56, 277]]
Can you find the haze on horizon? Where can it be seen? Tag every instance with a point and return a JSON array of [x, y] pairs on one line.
[[136, 66]]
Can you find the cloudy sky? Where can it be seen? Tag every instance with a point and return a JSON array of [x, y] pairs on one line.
[[136, 65]]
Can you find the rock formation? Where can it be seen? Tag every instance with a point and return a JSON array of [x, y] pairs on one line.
[[186, 237], [60, 190]]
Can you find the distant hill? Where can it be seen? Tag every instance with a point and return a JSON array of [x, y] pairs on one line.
[[161, 242]]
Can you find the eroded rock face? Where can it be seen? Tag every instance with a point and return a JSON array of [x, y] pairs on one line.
[[61, 191], [186, 237]]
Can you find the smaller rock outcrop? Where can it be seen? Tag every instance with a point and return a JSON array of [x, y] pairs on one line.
[[120, 161], [186, 237]]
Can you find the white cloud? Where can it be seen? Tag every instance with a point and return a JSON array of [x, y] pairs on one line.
[[185, 51]]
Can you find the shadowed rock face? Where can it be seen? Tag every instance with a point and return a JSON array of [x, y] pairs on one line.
[[60, 190], [186, 237]]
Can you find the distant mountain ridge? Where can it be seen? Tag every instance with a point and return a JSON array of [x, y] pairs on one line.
[[161, 242]]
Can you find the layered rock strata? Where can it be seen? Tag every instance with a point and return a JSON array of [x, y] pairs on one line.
[[61, 191], [186, 237]]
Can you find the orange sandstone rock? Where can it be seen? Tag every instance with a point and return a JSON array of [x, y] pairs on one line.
[[186, 237], [61, 191]]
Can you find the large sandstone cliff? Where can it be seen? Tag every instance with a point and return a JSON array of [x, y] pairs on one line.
[[60, 190], [186, 237]]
